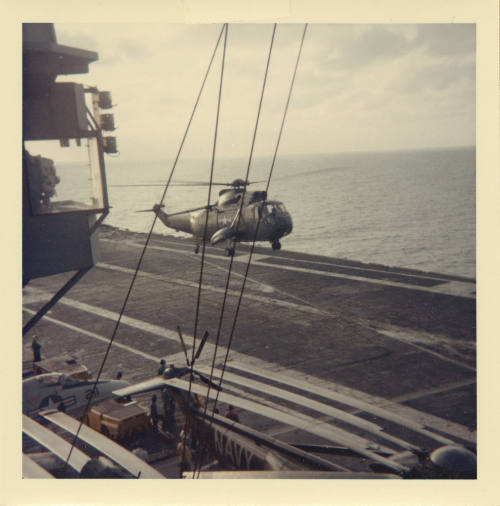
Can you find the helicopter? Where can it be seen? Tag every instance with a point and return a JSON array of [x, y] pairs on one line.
[[232, 220]]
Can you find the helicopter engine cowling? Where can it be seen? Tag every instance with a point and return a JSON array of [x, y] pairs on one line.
[[222, 234]]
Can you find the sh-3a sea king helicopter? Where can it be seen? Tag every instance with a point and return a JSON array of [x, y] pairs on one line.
[[237, 216]]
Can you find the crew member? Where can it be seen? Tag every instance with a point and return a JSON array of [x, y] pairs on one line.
[[36, 347], [184, 454], [162, 367], [231, 413], [168, 412], [154, 413]]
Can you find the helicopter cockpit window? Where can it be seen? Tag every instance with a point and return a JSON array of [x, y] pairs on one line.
[[67, 381], [269, 210], [48, 379], [266, 210]]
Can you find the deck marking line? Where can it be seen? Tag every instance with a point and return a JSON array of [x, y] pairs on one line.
[[431, 391], [258, 298], [95, 336], [309, 403], [397, 336], [459, 289], [261, 256], [435, 277], [349, 398]]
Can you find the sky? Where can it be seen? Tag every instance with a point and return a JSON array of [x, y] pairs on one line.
[[358, 87]]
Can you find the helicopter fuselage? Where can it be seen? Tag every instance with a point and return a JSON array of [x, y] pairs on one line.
[[260, 219]]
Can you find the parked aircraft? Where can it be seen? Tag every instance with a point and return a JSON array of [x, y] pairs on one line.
[[59, 391]]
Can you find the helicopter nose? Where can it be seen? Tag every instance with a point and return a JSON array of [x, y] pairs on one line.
[[285, 224]]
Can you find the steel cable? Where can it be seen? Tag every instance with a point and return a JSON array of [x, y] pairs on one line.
[[202, 264]]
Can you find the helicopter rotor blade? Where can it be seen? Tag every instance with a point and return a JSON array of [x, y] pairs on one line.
[[183, 345], [235, 183], [191, 210], [186, 183], [180, 212], [202, 343], [134, 185], [206, 380], [198, 183]]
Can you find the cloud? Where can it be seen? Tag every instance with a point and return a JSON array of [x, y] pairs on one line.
[[127, 50], [382, 86], [447, 39]]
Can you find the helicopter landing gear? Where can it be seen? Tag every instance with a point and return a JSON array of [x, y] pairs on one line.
[[275, 245], [230, 251]]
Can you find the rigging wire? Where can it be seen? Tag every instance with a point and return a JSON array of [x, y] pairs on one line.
[[255, 234], [198, 463], [113, 335], [209, 195], [202, 264]]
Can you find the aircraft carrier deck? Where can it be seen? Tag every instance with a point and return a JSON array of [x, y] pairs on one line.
[[388, 337]]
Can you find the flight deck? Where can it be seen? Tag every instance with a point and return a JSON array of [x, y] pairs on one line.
[[398, 343]]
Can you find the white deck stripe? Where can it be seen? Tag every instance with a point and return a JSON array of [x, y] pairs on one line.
[[114, 451], [261, 256], [458, 289], [432, 391], [362, 268], [95, 336], [56, 444], [308, 403], [453, 287], [32, 469], [365, 402], [414, 340], [259, 298]]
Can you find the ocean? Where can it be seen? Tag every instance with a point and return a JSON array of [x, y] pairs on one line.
[[412, 209]]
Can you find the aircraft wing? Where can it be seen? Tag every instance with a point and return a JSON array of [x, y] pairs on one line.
[[144, 386]]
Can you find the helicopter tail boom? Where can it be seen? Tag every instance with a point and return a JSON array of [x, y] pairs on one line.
[[179, 221]]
